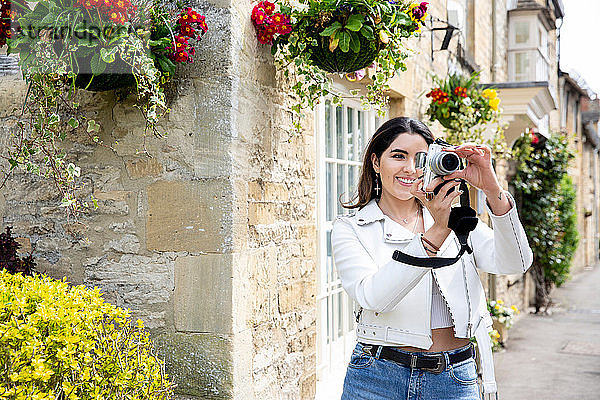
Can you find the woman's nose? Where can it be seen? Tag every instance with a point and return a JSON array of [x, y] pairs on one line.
[[410, 167]]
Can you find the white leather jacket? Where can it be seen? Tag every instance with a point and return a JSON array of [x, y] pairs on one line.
[[394, 298]]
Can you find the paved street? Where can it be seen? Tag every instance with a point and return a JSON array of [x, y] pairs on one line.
[[556, 357]]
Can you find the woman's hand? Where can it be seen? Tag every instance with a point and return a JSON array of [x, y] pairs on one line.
[[480, 174], [439, 206], [479, 171]]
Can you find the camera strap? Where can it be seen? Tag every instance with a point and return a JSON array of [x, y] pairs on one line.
[[462, 221]]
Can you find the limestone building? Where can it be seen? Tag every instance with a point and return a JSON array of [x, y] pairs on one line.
[[220, 241]]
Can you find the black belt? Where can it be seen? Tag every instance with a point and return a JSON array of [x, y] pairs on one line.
[[431, 362]]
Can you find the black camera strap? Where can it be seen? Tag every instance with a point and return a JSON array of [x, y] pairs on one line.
[[462, 221]]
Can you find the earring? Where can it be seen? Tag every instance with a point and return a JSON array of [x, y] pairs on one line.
[[377, 188]]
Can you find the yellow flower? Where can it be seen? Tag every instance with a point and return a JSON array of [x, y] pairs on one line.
[[497, 306], [515, 309], [499, 301], [494, 103], [489, 94]]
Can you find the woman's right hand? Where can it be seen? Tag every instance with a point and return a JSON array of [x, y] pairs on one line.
[[439, 206]]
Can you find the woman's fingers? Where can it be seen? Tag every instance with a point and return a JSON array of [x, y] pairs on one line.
[[434, 183], [449, 199], [469, 150], [416, 189]]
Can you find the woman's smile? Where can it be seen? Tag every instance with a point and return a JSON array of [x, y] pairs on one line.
[[405, 181]]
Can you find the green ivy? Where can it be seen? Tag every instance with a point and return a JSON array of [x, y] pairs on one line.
[[547, 199]]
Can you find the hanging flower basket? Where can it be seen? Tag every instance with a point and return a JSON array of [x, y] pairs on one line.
[[97, 45], [311, 39], [339, 61]]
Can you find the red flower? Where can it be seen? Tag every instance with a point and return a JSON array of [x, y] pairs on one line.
[[267, 6], [265, 38], [187, 30], [270, 30], [284, 29], [460, 91], [115, 16], [534, 138], [279, 19], [258, 16]]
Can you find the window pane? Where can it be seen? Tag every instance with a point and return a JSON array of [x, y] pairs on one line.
[[328, 319], [360, 133], [352, 179], [330, 193], [339, 131], [328, 133], [329, 259], [351, 137], [341, 179], [521, 32], [521, 66]]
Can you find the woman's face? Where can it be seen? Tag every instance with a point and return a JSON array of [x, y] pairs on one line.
[[397, 165]]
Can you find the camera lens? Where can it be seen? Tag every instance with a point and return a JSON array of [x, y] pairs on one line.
[[445, 163], [450, 162]]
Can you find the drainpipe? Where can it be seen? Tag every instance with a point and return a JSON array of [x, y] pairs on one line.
[[494, 42], [595, 208]]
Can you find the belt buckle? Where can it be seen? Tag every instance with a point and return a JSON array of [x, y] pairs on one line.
[[441, 366]]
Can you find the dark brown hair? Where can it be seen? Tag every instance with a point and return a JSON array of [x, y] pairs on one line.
[[380, 141]]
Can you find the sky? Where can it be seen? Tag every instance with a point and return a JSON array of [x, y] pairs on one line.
[[580, 40]]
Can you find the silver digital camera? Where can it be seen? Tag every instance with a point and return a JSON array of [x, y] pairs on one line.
[[437, 162]]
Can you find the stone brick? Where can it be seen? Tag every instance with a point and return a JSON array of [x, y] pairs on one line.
[[188, 216], [308, 387], [143, 284], [200, 364], [290, 297], [116, 195], [262, 213], [203, 293], [143, 167], [128, 243]]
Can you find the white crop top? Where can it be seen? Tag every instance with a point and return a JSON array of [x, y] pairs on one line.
[[440, 313]]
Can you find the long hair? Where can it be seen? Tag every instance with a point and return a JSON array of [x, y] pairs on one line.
[[380, 141]]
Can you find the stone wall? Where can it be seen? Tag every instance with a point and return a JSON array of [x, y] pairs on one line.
[[210, 237]]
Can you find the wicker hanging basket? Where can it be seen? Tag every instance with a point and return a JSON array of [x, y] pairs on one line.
[[116, 76], [340, 62]]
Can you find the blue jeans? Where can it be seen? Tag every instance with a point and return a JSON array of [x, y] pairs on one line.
[[371, 378]]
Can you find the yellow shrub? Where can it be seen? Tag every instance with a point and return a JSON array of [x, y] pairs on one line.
[[65, 342]]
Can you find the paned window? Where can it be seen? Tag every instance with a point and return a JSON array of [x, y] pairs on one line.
[[521, 32], [342, 133]]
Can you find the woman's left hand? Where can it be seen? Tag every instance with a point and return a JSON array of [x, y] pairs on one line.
[[479, 171]]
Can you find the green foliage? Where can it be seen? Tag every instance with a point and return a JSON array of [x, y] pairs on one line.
[[352, 26], [65, 342], [548, 202]]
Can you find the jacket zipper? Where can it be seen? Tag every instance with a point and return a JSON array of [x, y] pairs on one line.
[[469, 324]]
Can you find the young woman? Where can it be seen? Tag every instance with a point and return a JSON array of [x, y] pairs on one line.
[[414, 323]]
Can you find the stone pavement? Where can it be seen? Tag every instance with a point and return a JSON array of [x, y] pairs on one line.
[[556, 356]]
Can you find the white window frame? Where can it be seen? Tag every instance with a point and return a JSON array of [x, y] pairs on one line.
[[332, 358], [536, 49]]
